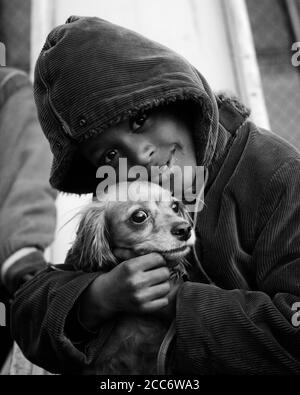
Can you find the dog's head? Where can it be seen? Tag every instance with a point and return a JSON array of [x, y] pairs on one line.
[[140, 216]]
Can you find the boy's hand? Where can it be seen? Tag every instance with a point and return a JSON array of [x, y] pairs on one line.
[[137, 285], [166, 312]]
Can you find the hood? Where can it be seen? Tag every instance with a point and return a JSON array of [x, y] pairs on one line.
[[92, 74]]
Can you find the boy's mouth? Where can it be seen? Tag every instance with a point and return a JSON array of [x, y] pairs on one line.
[[166, 167], [169, 164]]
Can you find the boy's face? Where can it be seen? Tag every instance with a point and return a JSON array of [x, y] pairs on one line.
[[160, 138]]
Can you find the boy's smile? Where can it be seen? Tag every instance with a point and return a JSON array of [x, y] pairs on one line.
[[161, 138]]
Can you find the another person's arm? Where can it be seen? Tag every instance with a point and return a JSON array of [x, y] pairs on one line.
[[27, 202]]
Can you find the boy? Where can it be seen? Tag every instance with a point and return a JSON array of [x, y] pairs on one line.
[[105, 93]]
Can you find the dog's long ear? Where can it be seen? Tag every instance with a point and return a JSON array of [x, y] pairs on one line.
[[91, 250]]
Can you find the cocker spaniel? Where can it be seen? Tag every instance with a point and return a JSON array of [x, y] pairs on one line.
[[144, 218]]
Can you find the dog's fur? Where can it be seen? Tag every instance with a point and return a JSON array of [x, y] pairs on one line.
[[133, 345]]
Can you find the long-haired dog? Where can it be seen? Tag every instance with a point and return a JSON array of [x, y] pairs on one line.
[[145, 218]]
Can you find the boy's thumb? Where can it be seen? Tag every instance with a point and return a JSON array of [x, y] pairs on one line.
[[123, 254]]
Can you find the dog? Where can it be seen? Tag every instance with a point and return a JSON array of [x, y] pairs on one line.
[[145, 218]]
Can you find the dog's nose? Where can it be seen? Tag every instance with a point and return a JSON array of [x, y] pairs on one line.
[[182, 231]]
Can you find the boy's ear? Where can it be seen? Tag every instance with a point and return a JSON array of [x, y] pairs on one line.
[[91, 250]]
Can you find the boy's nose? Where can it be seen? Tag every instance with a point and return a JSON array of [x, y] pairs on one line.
[[142, 154], [182, 231]]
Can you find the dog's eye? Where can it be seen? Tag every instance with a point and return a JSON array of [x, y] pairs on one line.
[[137, 122], [138, 217], [175, 207]]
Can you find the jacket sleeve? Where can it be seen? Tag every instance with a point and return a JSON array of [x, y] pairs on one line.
[[52, 337], [27, 202], [258, 331]]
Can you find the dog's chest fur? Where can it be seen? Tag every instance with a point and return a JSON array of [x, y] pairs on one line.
[[134, 342], [132, 347]]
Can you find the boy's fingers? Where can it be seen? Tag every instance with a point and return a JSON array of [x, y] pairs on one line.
[[141, 262], [155, 305], [153, 259], [124, 253], [157, 276], [150, 261], [156, 292]]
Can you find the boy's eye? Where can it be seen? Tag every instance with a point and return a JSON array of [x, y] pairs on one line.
[[110, 156], [138, 121]]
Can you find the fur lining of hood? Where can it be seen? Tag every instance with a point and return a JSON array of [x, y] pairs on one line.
[[231, 99]]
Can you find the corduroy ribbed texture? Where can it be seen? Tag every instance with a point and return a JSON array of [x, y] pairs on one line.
[[248, 240], [56, 301]]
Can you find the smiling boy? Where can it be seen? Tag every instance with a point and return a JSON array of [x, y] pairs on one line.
[[104, 93], [159, 139]]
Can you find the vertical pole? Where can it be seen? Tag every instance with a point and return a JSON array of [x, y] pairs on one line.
[[244, 59], [2, 55], [294, 18], [42, 21]]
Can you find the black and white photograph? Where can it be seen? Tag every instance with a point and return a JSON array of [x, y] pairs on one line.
[[149, 190]]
